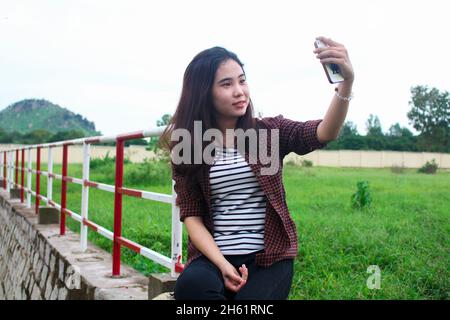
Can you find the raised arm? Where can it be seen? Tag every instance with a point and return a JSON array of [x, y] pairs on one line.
[[335, 53]]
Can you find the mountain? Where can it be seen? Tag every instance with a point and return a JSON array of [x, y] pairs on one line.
[[31, 114]]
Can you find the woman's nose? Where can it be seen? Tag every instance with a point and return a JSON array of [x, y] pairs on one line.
[[238, 91]]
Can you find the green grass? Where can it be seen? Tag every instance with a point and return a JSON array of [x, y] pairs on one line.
[[405, 232]]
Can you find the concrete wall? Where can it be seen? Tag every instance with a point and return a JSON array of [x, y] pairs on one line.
[[371, 159], [37, 263], [339, 158]]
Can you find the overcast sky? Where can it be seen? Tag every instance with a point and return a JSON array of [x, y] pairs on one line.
[[121, 63]]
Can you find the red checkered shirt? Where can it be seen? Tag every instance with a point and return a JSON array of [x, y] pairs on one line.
[[280, 234]]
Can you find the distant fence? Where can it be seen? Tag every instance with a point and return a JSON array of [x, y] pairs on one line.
[[326, 158], [372, 159]]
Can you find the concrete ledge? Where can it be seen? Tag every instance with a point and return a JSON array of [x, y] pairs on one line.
[[36, 263], [48, 215], [164, 296], [159, 283], [125, 293]]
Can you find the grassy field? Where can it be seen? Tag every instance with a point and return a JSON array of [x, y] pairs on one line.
[[404, 233]]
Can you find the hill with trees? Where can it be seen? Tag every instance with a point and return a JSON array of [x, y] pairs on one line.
[[30, 115]]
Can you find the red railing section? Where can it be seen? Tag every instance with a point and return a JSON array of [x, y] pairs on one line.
[[118, 206], [116, 236]]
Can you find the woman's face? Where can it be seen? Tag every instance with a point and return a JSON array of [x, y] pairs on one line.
[[230, 91]]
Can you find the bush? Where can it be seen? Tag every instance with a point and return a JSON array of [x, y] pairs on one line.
[[362, 197], [105, 162], [307, 163], [291, 163], [429, 167], [397, 169], [150, 172]]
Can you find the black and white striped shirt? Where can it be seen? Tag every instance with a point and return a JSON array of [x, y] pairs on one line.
[[238, 204]]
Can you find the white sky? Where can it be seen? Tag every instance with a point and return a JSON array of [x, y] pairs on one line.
[[121, 63]]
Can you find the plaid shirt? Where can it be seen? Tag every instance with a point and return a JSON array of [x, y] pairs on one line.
[[280, 235]]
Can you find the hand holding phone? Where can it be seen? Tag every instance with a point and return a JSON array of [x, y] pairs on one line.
[[332, 70]]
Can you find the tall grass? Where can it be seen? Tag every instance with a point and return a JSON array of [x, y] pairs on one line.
[[404, 232]]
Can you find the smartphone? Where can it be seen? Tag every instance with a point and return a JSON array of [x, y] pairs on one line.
[[332, 70]]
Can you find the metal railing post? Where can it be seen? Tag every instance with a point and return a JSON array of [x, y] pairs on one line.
[[38, 177], [177, 235], [118, 206], [6, 169], [62, 224], [1, 168], [12, 170], [16, 176], [22, 180], [9, 175], [29, 175], [5, 165], [85, 196], [50, 175]]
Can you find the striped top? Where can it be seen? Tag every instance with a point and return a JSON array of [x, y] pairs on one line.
[[238, 204]]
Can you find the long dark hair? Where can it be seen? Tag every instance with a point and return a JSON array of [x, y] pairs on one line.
[[196, 104]]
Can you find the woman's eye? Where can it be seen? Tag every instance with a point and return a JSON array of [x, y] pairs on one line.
[[243, 80]]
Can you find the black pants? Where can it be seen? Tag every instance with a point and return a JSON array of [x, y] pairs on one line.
[[202, 280]]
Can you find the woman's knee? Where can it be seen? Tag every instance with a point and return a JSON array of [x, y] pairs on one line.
[[271, 283], [199, 283]]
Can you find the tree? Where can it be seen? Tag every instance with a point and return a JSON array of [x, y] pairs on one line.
[[400, 139], [430, 115], [375, 139], [34, 137], [373, 126], [397, 138], [136, 142], [348, 129], [165, 120], [348, 139], [153, 143], [397, 131], [66, 135], [5, 137]]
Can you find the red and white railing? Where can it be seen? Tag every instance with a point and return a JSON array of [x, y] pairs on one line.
[[10, 176]]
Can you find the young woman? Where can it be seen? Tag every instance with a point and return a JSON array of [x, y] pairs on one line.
[[242, 240]]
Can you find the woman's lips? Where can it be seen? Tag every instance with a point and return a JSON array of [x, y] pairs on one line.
[[240, 104]]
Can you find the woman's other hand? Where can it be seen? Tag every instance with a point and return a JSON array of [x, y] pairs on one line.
[[232, 279]]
